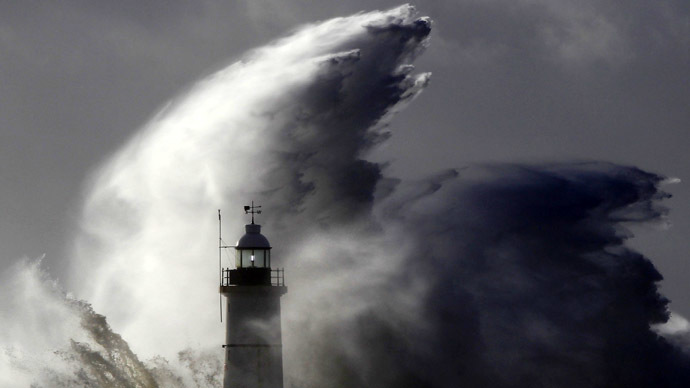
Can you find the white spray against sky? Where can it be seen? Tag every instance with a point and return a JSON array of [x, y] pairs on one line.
[[146, 256], [146, 253]]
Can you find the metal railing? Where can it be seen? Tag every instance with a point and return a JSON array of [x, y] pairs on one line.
[[225, 277], [277, 277]]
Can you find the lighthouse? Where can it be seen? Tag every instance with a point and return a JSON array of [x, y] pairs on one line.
[[252, 290]]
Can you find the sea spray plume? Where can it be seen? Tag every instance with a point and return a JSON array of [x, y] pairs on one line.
[[507, 276], [538, 253], [193, 368], [559, 301], [326, 130], [34, 317], [49, 339], [113, 364], [54, 340], [291, 120]]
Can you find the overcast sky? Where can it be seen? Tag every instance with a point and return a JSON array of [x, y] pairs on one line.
[[525, 80]]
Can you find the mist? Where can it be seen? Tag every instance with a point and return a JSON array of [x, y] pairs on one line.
[[504, 275]]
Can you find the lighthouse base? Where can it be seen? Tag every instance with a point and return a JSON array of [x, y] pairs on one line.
[[253, 347]]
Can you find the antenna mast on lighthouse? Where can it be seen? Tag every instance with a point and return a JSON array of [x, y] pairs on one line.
[[220, 255]]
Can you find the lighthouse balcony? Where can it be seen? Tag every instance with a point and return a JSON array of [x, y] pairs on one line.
[[253, 276]]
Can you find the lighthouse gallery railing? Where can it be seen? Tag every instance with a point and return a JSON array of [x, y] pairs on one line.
[[277, 277]]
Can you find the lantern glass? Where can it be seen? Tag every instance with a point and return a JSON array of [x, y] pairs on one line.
[[247, 258]]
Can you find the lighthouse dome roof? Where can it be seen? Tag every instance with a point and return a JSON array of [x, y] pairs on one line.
[[253, 238]]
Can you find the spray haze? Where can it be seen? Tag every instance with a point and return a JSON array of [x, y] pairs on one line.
[[499, 275]]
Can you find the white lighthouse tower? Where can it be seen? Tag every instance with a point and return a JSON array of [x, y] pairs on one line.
[[253, 341]]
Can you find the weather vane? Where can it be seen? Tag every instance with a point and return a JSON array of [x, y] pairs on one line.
[[252, 210]]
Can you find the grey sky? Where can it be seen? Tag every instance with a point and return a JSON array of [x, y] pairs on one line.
[[512, 81]]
